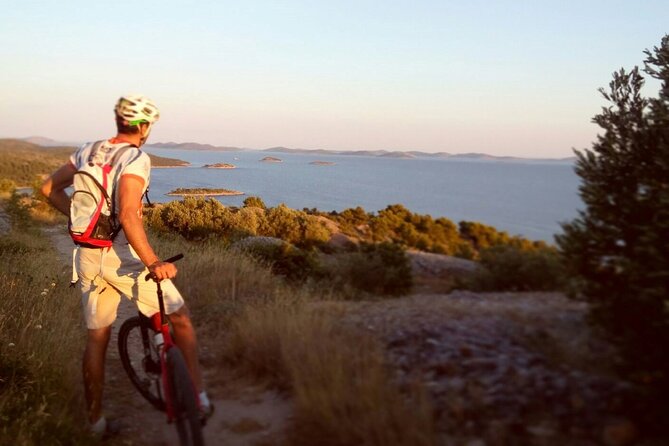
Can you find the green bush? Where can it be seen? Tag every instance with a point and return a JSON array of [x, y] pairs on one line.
[[381, 269], [511, 268], [616, 250], [7, 185], [295, 264], [295, 227], [194, 218], [254, 202]]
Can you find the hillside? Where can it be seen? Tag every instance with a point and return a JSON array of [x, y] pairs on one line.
[[22, 161]]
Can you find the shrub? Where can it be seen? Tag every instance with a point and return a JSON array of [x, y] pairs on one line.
[[7, 185], [282, 223], [295, 227], [617, 247], [295, 264], [193, 218], [254, 202], [510, 268], [381, 269], [482, 236]]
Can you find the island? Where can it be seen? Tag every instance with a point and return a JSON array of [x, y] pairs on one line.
[[220, 166], [322, 163], [271, 159], [202, 192]]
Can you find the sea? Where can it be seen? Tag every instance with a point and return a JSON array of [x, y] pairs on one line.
[[527, 198]]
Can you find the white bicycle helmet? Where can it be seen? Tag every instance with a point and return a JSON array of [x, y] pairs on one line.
[[136, 109]]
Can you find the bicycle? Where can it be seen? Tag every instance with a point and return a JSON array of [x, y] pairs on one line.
[[157, 369]]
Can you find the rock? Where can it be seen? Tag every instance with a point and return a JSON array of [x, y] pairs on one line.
[[465, 351], [620, 432], [341, 241], [498, 433]]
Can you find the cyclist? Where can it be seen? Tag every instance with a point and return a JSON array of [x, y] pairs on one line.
[[107, 273]]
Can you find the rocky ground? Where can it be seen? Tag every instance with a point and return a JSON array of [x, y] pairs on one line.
[[506, 369]]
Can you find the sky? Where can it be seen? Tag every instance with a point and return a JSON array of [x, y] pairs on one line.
[[503, 77]]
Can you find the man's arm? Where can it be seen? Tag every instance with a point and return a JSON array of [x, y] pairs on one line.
[[54, 187], [130, 189]]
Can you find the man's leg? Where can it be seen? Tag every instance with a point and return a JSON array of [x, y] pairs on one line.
[[94, 370], [185, 338]]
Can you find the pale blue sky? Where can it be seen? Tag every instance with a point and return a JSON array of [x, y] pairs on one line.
[[505, 77]]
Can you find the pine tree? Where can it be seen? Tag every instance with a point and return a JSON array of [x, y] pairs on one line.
[[617, 249]]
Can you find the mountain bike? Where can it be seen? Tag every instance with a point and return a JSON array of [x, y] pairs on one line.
[[156, 367]]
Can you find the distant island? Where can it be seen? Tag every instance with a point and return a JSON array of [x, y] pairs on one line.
[[203, 192], [220, 166], [406, 154], [401, 155], [193, 146], [322, 163], [271, 159]]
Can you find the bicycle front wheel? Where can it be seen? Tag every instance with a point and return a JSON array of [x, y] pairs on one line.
[[184, 400], [141, 361]]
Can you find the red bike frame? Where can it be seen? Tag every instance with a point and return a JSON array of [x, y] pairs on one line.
[[160, 326]]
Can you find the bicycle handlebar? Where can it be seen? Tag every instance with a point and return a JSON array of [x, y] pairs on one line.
[[170, 260]]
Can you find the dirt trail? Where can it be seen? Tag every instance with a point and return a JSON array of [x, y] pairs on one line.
[[248, 416]]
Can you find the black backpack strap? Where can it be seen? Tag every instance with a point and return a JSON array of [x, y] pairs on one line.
[[146, 195]]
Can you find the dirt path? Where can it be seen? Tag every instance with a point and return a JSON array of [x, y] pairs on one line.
[[248, 416]]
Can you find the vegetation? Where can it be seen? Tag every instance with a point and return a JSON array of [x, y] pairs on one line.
[[21, 161], [254, 202], [367, 263], [162, 161], [40, 342], [511, 268], [381, 269], [203, 191], [7, 187], [399, 225], [616, 249], [279, 334], [219, 166]]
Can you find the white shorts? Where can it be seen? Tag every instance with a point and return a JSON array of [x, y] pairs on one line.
[[107, 273]]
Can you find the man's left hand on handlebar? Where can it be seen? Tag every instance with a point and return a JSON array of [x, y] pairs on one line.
[[162, 270]]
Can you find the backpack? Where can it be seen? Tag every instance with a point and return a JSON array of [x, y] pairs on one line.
[[93, 222]]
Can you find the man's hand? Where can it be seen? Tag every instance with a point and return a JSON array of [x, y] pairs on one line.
[[163, 270]]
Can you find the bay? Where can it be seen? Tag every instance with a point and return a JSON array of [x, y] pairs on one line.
[[527, 198]]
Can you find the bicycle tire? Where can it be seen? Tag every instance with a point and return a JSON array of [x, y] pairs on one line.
[[144, 373], [184, 400]]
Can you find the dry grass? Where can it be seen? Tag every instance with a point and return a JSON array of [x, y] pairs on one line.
[[337, 375], [41, 341]]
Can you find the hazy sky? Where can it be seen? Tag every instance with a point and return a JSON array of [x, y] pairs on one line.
[[502, 77]]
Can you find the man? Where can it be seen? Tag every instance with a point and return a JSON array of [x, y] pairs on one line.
[[106, 273]]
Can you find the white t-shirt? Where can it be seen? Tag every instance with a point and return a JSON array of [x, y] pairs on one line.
[[132, 161]]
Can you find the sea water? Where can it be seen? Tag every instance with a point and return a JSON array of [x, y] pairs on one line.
[[527, 198]]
